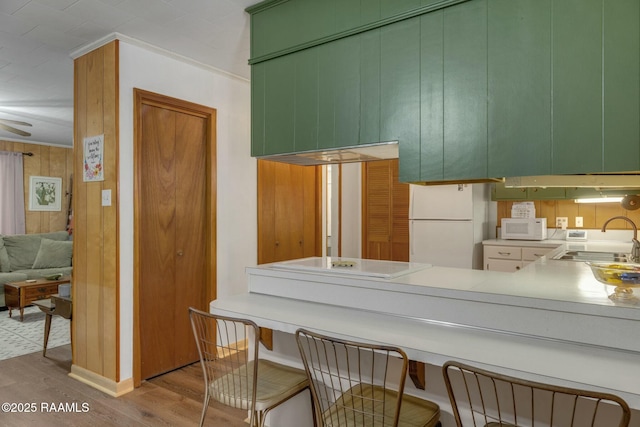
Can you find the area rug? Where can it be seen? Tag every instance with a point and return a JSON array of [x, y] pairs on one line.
[[18, 338]]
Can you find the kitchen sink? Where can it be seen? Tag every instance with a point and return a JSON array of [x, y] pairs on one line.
[[593, 256]]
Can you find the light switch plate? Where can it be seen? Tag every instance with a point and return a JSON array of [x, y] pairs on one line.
[[106, 197]]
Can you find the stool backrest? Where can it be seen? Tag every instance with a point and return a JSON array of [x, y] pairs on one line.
[[483, 398], [227, 358], [352, 383]]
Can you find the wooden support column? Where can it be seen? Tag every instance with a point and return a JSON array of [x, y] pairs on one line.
[[417, 374], [266, 337]]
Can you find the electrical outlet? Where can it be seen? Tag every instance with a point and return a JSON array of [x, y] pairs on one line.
[[579, 222], [562, 222]]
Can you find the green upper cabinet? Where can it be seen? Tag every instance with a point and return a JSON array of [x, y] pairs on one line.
[[465, 91], [282, 26], [400, 92], [370, 96], [453, 96], [273, 106], [305, 100], [621, 85], [340, 93], [431, 145], [519, 87], [577, 86], [470, 89]]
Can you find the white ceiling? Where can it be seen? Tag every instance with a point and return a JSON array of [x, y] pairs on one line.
[[38, 36]]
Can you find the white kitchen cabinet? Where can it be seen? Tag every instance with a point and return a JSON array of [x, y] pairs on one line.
[[511, 258]]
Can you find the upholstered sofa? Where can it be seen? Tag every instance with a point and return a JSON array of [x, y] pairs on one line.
[[32, 256]]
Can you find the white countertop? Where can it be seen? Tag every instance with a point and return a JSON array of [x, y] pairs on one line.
[[559, 280], [551, 321], [547, 283]]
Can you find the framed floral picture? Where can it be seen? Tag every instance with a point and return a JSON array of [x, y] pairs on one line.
[[45, 193]]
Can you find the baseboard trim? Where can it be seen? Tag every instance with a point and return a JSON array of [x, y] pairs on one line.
[[105, 385]]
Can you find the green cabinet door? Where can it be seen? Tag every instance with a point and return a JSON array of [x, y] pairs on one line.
[[284, 104], [519, 87], [370, 100], [400, 93], [577, 86], [306, 95], [346, 73], [257, 109], [465, 91], [621, 85], [279, 105], [596, 56], [431, 97]]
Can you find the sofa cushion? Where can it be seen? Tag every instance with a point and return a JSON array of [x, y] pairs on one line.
[[53, 254], [5, 266], [44, 272], [23, 248], [15, 276]]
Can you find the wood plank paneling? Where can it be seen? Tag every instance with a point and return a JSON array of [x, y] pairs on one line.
[[46, 161], [111, 331], [593, 215], [94, 230], [95, 280]]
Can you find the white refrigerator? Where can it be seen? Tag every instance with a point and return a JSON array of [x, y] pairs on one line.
[[447, 224]]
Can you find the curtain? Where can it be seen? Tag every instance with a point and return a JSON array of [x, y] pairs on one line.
[[12, 215]]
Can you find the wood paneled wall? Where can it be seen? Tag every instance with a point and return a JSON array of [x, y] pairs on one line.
[[594, 214], [46, 161], [95, 251]]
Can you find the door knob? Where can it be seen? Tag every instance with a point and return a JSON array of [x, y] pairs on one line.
[[180, 252]]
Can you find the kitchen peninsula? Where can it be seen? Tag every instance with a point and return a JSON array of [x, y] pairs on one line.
[[551, 321]]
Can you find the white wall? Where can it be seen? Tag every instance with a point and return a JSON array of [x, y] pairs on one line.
[[236, 169], [351, 225]]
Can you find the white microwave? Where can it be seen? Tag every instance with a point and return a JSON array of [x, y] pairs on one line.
[[523, 228]]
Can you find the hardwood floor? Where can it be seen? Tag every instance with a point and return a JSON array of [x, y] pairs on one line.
[[173, 399]]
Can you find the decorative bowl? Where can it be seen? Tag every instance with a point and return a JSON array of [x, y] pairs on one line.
[[624, 276]]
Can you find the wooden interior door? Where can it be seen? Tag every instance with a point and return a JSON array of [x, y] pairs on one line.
[[288, 211], [173, 235], [385, 207]]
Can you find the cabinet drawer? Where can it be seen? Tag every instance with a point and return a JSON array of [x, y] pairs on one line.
[[42, 291], [503, 265], [503, 252], [532, 254]]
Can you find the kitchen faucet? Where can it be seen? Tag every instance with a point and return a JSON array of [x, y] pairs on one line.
[[635, 252]]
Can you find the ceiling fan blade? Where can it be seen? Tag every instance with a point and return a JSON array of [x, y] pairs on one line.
[[14, 130], [16, 122]]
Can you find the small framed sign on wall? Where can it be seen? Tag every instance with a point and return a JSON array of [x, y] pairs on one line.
[[45, 193], [93, 156]]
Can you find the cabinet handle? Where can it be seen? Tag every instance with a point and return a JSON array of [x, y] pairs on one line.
[[277, 243], [538, 255], [42, 290], [180, 253], [504, 253]]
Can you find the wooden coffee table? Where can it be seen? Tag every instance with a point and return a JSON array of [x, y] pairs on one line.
[[21, 294]]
